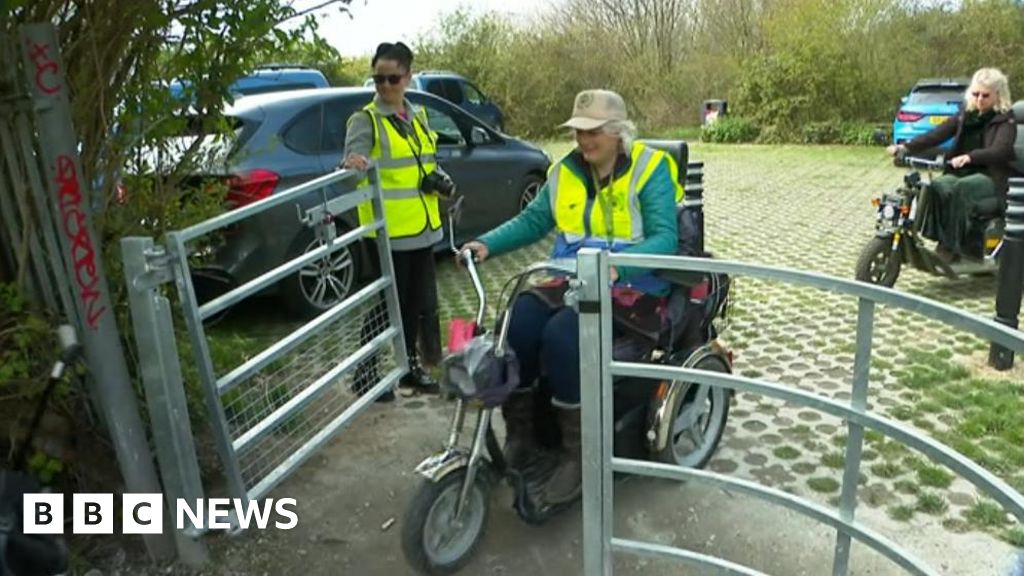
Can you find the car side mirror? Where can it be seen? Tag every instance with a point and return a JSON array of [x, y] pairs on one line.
[[478, 136], [903, 100]]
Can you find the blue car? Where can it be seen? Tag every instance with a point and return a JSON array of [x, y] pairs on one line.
[[930, 102], [270, 78]]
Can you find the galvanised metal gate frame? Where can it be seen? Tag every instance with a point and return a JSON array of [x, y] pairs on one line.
[[597, 364], [149, 265]]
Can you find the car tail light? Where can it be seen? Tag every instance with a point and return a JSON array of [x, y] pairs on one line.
[[251, 186], [909, 116]]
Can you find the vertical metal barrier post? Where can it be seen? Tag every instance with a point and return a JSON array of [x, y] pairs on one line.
[[1011, 273], [83, 263], [855, 439], [146, 268], [596, 392], [384, 258]]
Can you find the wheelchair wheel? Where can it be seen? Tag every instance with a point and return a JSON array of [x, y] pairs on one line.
[[699, 413]]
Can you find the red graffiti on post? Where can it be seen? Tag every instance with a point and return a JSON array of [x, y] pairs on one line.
[[83, 254], [46, 68]]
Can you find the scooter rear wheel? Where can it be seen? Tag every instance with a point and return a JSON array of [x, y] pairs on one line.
[[878, 264], [433, 543]]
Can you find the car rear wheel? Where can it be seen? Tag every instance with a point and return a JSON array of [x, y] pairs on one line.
[[323, 283], [531, 186]]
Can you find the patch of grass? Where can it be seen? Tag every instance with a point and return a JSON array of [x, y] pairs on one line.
[[934, 476], [1014, 536], [930, 406], [906, 487], [800, 432], [869, 455], [839, 440], [786, 453], [986, 514], [931, 503], [902, 413], [901, 513], [924, 424], [823, 484], [886, 470], [834, 460], [958, 525], [891, 449], [873, 437], [883, 365]]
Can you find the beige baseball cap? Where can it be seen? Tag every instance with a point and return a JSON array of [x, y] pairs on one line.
[[595, 108]]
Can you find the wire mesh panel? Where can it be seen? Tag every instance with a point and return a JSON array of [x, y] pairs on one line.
[[275, 409], [304, 389]]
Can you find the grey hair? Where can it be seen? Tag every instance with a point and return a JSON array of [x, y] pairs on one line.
[[625, 130], [994, 80]]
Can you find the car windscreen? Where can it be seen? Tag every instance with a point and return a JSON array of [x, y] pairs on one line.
[[937, 95]]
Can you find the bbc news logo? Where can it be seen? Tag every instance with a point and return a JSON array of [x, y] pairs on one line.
[[143, 514]]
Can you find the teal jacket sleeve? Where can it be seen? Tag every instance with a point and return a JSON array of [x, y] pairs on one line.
[[658, 209], [531, 225]]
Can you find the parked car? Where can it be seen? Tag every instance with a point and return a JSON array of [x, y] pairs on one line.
[[286, 138], [270, 78], [458, 90], [930, 102]]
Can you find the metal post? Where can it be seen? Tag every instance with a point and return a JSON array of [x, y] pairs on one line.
[[145, 269], [1011, 273], [387, 269], [855, 439], [596, 534], [83, 263]]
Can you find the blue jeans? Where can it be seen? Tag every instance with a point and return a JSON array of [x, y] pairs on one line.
[[550, 337]]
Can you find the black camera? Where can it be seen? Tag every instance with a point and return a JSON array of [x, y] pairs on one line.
[[439, 182]]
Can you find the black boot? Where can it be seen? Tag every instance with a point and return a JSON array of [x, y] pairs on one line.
[[418, 379], [519, 439], [566, 484], [366, 377]]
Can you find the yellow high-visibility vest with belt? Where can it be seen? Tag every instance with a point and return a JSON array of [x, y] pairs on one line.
[[614, 215], [408, 212]]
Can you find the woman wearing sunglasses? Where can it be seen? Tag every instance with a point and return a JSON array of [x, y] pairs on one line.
[[979, 168], [395, 136]]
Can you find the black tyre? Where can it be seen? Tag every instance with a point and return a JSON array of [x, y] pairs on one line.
[[698, 419], [531, 186], [878, 264], [323, 283], [431, 542]]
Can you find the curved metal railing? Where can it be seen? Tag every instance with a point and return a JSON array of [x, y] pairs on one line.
[[599, 464]]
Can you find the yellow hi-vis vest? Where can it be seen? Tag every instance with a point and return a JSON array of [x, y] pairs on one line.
[[407, 211], [614, 215]]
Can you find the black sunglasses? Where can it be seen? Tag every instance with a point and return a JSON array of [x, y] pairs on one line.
[[391, 78]]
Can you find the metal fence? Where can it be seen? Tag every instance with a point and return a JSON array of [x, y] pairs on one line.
[[597, 364], [273, 411]]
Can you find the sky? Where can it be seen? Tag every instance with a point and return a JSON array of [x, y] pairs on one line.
[[376, 21]]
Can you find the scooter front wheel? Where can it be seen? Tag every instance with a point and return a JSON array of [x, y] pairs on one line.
[[433, 540], [878, 263]]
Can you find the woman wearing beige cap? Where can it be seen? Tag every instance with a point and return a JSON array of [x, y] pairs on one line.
[[608, 193]]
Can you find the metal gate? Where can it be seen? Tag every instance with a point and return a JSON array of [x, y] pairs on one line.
[[275, 410], [598, 365]]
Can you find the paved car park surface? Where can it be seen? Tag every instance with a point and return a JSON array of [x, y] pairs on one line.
[[796, 207]]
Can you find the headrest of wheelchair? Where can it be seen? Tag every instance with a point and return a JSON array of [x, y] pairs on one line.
[[679, 150]]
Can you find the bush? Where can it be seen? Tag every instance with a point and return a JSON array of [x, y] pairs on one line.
[[730, 130], [847, 133]]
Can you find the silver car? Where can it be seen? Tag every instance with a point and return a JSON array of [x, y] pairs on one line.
[[284, 139]]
